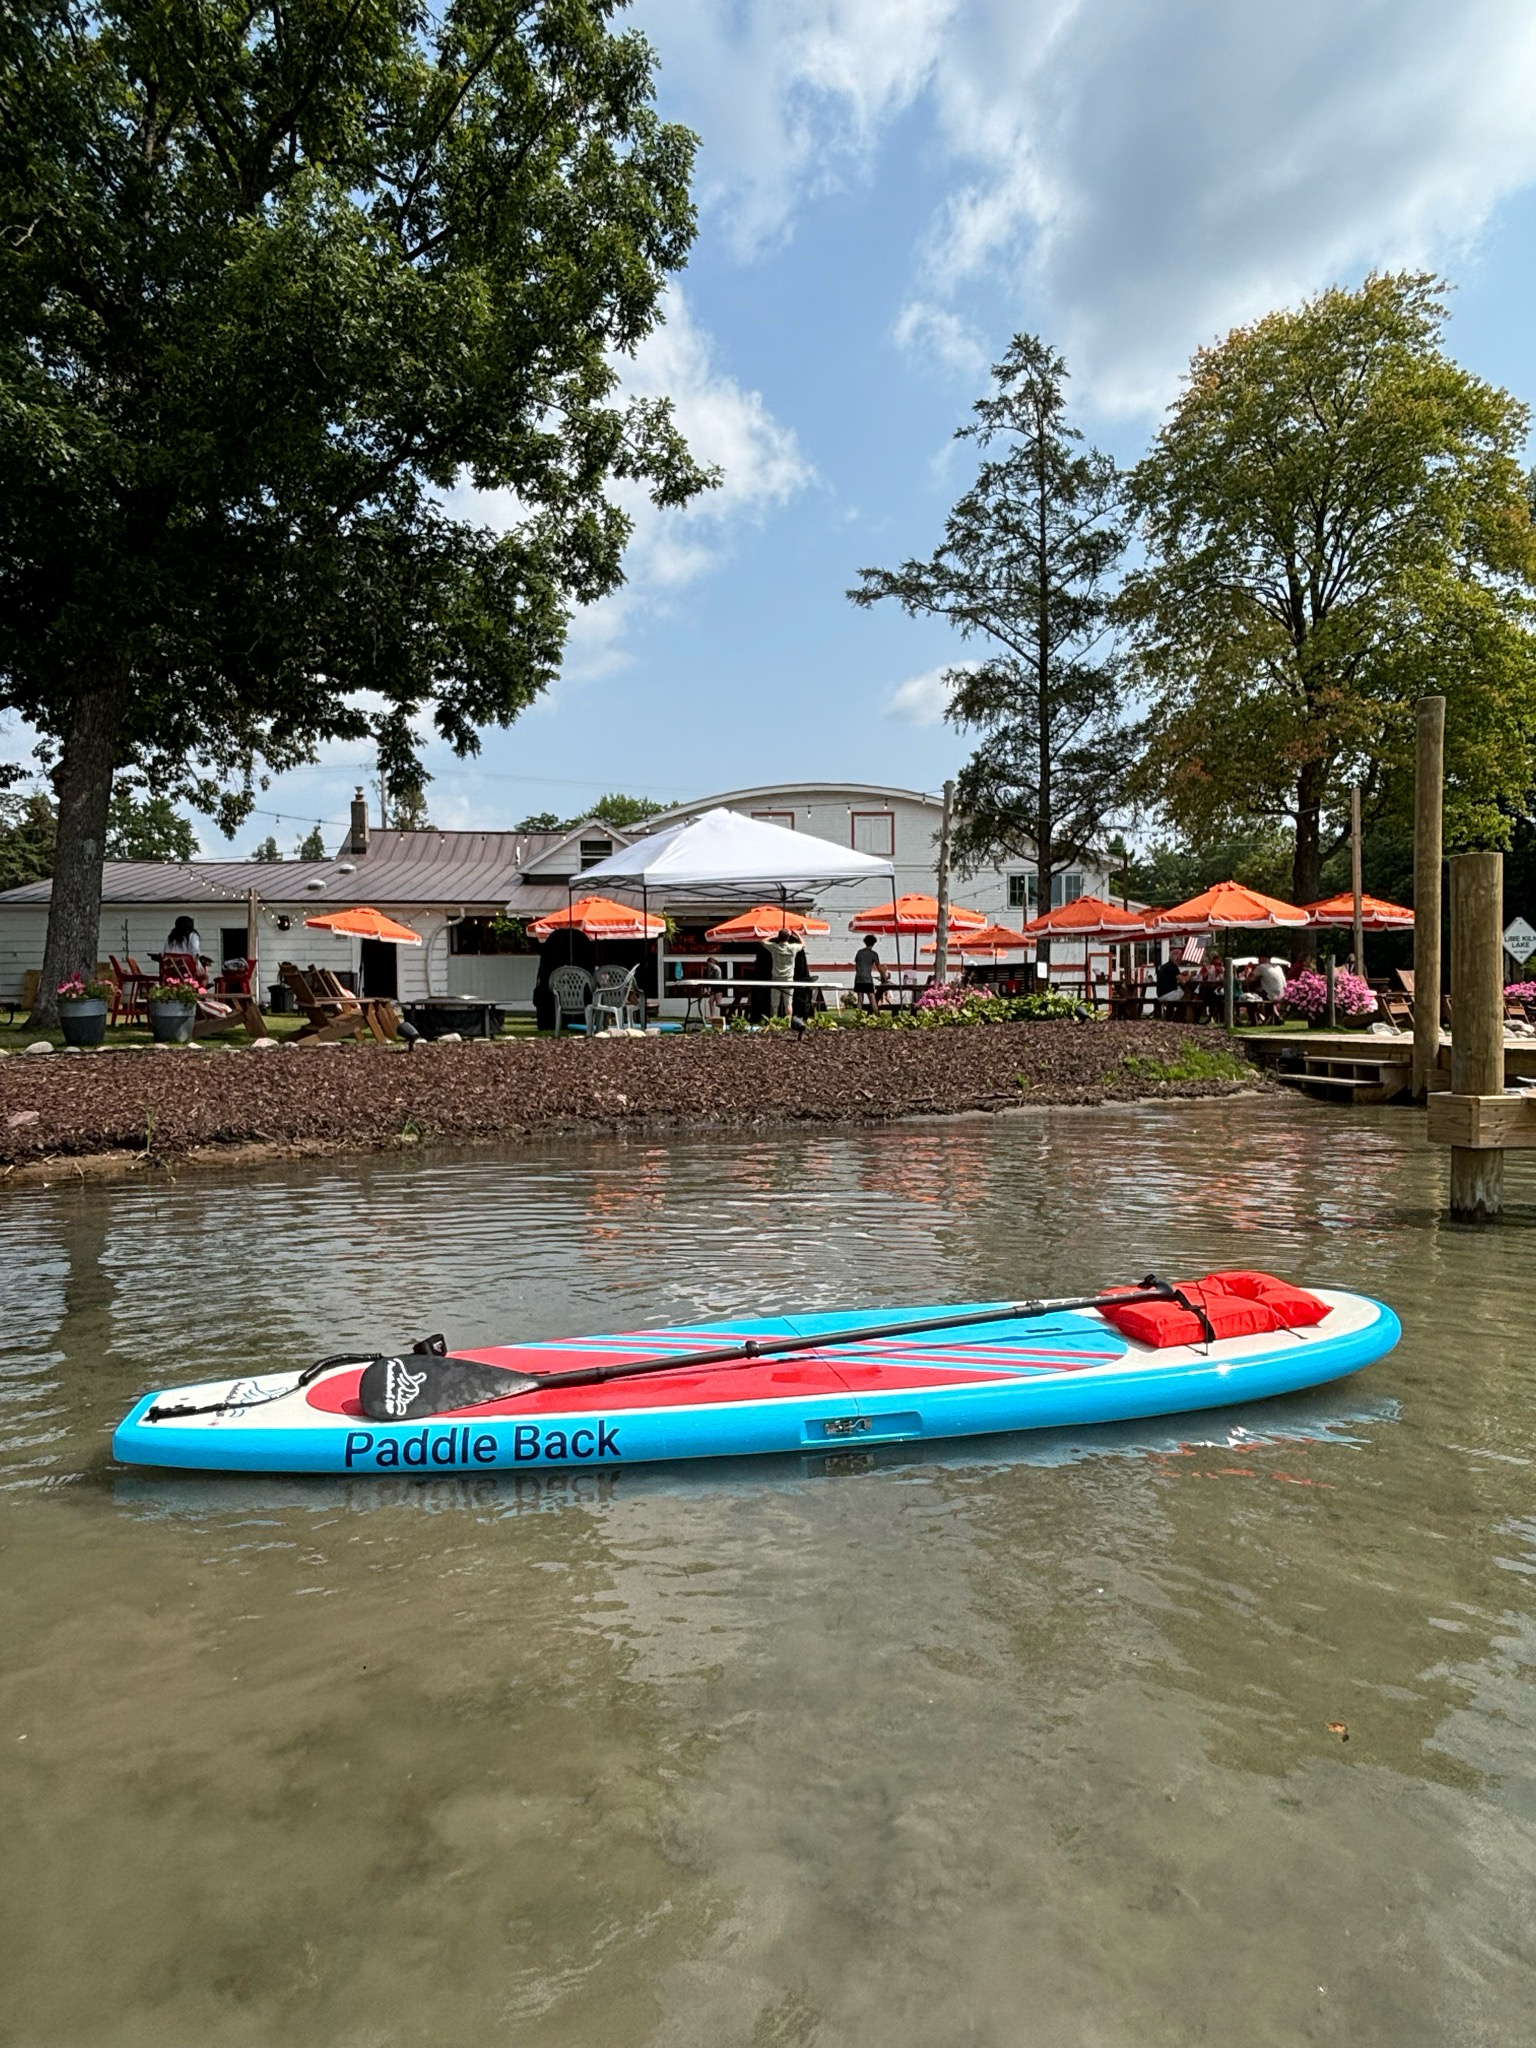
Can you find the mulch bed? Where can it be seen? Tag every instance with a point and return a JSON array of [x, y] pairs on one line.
[[331, 1097]]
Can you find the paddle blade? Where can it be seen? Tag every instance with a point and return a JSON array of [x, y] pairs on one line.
[[405, 1389]]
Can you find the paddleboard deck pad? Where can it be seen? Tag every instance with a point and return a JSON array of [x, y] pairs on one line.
[[1065, 1368]]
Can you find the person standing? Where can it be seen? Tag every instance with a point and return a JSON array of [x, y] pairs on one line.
[[782, 952], [866, 975]]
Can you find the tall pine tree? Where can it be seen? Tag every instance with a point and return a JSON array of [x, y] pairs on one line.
[[1026, 566]]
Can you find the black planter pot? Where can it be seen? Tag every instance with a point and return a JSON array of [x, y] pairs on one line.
[[171, 1023], [84, 1022]]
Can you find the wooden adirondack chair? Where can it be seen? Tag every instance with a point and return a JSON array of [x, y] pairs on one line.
[[25, 1002], [332, 1012]]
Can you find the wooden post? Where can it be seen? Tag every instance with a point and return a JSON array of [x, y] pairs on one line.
[[1477, 1023], [1231, 993], [1354, 876], [1331, 1014], [252, 912], [941, 935], [1428, 798]]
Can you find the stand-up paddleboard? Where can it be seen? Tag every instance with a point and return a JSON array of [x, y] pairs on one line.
[[784, 1383]]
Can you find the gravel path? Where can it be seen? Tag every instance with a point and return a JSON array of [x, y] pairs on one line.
[[164, 1103]]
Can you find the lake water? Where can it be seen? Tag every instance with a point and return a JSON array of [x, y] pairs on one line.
[[1024, 1745]]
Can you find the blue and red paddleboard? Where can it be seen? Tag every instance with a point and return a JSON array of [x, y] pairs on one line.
[[1067, 1368]]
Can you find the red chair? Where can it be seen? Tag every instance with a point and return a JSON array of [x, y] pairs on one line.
[[130, 990], [237, 978]]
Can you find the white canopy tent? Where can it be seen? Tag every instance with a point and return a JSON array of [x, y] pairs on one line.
[[725, 857]]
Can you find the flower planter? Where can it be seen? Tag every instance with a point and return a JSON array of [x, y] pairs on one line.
[[83, 1022], [171, 1023]]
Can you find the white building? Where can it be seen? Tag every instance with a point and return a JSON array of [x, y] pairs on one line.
[[458, 890], [451, 887]]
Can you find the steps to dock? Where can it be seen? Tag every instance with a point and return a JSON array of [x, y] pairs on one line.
[[1351, 1080]]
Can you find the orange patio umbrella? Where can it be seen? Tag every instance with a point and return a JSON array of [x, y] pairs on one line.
[[363, 923], [1375, 915], [599, 917], [914, 913], [992, 938], [1088, 917], [1226, 906], [764, 921]]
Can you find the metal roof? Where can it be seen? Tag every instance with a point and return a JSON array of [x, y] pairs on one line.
[[449, 869]]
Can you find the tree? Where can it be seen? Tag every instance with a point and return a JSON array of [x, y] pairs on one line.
[[620, 810], [146, 829], [1335, 522], [616, 809], [27, 829], [137, 829], [1025, 567], [273, 281], [311, 846], [268, 849]]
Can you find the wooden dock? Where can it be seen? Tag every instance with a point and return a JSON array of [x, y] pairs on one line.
[[1361, 1066]]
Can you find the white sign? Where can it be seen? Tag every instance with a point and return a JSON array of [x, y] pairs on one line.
[[1519, 940]]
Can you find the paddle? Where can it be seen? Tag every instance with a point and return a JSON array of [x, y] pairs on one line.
[[427, 1382]]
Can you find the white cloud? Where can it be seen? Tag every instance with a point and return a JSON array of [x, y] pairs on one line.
[[1135, 176], [924, 699], [727, 428], [789, 96]]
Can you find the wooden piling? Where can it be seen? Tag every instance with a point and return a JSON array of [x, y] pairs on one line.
[[1477, 1023], [1428, 800], [941, 915]]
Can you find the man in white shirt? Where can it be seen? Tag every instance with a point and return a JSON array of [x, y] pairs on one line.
[[782, 951]]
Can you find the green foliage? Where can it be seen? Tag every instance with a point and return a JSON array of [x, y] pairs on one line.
[[147, 828], [277, 280], [1025, 567], [1336, 522], [27, 827], [1171, 870], [1192, 1063], [267, 850], [977, 1008], [311, 846], [615, 809]]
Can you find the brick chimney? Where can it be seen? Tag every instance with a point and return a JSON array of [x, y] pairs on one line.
[[357, 841]]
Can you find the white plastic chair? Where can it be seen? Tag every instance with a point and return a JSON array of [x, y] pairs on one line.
[[571, 991], [614, 997]]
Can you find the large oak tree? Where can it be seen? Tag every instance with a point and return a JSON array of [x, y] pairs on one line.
[[1336, 522], [276, 276]]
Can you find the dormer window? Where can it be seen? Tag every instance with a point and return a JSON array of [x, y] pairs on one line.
[[594, 850]]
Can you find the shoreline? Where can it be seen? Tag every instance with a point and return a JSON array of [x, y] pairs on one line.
[[101, 1115]]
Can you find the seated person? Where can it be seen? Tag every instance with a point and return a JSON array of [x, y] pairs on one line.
[[180, 955], [1266, 979], [1169, 989]]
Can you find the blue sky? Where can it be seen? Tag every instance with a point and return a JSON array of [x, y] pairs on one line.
[[888, 189]]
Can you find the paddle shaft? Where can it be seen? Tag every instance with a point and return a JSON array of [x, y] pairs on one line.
[[752, 1349]]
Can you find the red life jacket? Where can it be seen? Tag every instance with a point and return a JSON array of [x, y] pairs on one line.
[[1236, 1304]]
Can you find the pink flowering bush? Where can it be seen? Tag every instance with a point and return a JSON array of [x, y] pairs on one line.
[[943, 995], [1522, 991], [1306, 994], [77, 989]]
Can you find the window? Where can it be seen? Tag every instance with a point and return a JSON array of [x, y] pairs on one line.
[[874, 832], [1064, 889], [594, 850], [786, 819]]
